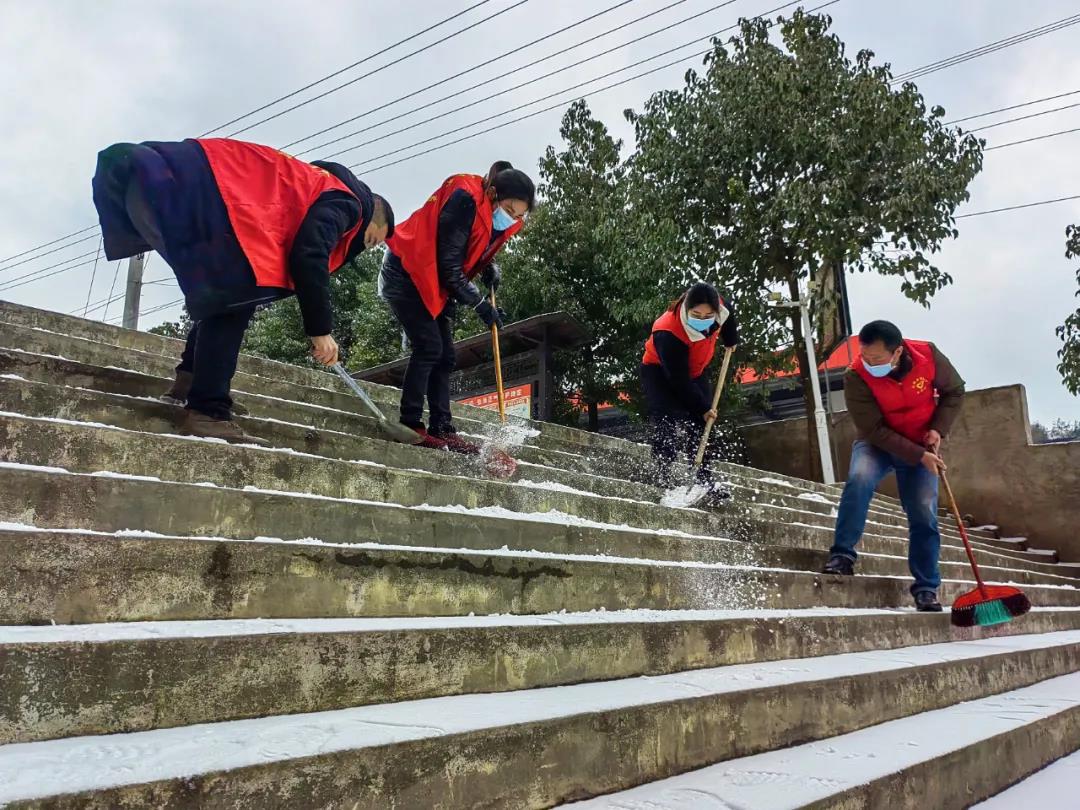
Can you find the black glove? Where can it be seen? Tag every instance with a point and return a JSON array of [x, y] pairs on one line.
[[491, 316], [492, 276]]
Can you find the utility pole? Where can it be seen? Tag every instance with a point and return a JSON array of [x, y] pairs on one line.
[[828, 475], [133, 292]]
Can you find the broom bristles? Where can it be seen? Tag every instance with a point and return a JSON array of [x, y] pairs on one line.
[[998, 605]]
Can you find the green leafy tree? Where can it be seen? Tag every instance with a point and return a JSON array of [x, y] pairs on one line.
[[784, 157], [569, 259], [174, 329], [363, 326], [1069, 332]]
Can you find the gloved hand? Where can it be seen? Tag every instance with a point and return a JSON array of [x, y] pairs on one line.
[[492, 276], [491, 316]]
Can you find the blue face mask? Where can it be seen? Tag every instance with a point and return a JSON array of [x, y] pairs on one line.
[[500, 220], [701, 324], [882, 370]]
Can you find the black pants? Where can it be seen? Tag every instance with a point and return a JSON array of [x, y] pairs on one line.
[[211, 354], [430, 364], [674, 428], [213, 344]]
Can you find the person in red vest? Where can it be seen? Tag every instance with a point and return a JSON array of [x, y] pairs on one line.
[[240, 225], [677, 389], [903, 396], [433, 259]]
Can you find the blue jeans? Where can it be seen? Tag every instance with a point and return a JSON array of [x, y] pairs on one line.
[[918, 489]]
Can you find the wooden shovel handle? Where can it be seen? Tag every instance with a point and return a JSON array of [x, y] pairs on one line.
[[715, 402]]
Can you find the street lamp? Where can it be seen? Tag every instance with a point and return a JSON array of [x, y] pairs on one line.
[[777, 299]]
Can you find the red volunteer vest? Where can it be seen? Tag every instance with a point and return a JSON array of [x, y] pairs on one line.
[[701, 351], [414, 240], [267, 194], [908, 405]]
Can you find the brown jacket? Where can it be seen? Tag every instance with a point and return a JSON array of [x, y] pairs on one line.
[[870, 424]]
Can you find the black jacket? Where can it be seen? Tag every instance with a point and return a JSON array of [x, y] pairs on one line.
[[197, 239], [675, 364], [451, 247]]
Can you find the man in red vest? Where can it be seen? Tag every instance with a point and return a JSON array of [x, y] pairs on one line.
[[240, 225], [903, 396]]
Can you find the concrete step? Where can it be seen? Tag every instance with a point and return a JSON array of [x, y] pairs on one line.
[[73, 402], [944, 759], [1052, 788], [89, 447], [109, 503], [625, 463], [107, 679], [286, 381], [525, 749], [72, 577]]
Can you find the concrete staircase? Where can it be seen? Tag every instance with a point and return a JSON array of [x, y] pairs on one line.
[[342, 622]]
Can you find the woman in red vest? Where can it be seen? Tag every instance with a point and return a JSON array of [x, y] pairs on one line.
[[677, 390], [429, 270], [240, 225]]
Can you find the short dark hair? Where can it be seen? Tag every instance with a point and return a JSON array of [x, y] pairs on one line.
[[512, 184], [885, 331], [383, 214]]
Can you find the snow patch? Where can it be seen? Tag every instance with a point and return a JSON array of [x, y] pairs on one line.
[[88, 763]]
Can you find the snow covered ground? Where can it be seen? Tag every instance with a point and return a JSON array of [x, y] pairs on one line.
[[87, 763], [791, 778]]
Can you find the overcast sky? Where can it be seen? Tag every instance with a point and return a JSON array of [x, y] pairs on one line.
[[78, 76]]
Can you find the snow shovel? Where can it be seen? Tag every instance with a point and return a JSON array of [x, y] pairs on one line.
[[497, 461], [394, 430], [693, 493]]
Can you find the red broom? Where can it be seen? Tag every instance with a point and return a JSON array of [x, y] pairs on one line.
[[986, 605]]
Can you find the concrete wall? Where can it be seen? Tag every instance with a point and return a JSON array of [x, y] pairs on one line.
[[998, 475]]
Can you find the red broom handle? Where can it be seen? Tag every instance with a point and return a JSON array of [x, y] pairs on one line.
[[964, 537]]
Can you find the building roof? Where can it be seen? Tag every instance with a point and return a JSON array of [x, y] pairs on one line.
[[563, 330], [839, 359]]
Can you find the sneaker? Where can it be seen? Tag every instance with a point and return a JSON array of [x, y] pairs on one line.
[[207, 427], [181, 387], [839, 565], [427, 440], [717, 495], [927, 602], [455, 444]]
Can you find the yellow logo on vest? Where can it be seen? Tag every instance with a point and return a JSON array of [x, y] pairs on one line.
[[920, 384]]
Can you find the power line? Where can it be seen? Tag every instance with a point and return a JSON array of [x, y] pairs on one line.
[[548, 75], [7, 284], [552, 107], [517, 4], [984, 50], [533, 63], [1030, 140], [329, 76], [1018, 207], [1026, 117], [461, 73], [1011, 107], [47, 252], [35, 277], [47, 244], [112, 287], [93, 275]]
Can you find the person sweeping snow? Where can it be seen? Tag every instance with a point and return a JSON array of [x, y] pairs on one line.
[[903, 396], [240, 225], [429, 269], [678, 392]]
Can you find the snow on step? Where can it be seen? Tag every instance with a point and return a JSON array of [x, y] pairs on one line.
[[216, 628], [795, 777], [1052, 788], [94, 763]]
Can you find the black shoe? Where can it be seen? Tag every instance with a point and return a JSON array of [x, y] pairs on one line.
[[838, 564], [926, 602]]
